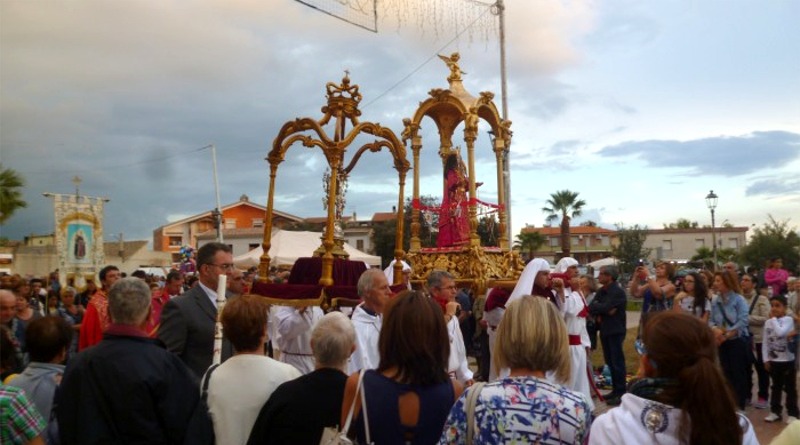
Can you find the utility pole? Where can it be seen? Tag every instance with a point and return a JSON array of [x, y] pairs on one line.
[[121, 248], [499, 9]]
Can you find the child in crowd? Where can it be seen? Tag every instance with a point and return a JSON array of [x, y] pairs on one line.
[[779, 360]]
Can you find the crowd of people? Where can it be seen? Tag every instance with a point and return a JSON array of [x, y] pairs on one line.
[[134, 359]]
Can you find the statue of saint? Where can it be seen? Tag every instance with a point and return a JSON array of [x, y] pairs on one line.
[[454, 213]]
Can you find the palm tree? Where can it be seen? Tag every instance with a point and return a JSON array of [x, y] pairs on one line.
[[566, 204], [11, 184], [529, 242]]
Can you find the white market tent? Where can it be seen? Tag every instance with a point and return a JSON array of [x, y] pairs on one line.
[[610, 261], [287, 246]]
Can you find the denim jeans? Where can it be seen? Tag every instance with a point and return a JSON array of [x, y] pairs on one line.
[[615, 359]]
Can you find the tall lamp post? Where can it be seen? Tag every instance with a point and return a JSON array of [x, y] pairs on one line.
[[711, 202]]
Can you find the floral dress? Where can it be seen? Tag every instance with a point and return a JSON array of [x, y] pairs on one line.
[[521, 410]]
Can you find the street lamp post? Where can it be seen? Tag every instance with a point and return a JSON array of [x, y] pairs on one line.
[[711, 202]]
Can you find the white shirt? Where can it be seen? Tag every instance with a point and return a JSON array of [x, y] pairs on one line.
[[211, 293], [775, 347], [457, 363], [640, 421], [368, 330], [238, 389]]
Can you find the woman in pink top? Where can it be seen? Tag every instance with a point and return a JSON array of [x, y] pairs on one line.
[[776, 277]]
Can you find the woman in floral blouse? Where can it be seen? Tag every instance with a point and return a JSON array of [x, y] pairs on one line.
[[525, 407]]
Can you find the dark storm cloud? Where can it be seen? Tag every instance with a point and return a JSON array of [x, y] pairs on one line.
[[723, 155]]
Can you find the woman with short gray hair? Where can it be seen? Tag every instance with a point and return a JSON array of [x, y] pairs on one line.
[[298, 410]]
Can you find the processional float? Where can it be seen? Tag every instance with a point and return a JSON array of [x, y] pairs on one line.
[[471, 264], [341, 109]]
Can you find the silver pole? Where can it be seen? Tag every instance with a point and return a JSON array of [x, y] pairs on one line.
[[218, 213]]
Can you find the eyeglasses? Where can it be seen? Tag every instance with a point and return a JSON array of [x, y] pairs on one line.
[[451, 287], [227, 267]]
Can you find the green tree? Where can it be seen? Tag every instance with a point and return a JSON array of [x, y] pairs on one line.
[[529, 242], [384, 233], [565, 204], [588, 223], [11, 184], [705, 256], [487, 230], [773, 239], [682, 223], [630, 249]]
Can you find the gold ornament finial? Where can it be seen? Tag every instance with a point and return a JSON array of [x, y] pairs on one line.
[[452, 63]]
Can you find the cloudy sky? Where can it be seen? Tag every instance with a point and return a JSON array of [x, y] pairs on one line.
[[641, 107]]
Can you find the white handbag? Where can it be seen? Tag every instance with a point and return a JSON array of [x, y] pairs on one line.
[[332, 436]]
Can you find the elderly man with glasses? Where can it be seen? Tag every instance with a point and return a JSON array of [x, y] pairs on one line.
[[442, 288], [187, 321]]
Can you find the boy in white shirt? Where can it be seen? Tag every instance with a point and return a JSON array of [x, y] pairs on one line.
[[779, 360]]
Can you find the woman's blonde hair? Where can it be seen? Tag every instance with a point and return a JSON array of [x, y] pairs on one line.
[[533, 335]]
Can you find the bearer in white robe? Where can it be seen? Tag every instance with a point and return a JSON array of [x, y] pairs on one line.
[[575, 311], [294, 327], [373, 288]]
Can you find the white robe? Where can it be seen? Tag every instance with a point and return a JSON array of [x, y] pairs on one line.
[[457, 363], [579, 377], [368, 329], [294, 338], [640, 421]]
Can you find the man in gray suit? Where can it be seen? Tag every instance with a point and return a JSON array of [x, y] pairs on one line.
[[187, 321]]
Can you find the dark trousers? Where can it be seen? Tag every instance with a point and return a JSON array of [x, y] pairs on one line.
[[615, 359], [784, 379], [484, 358], [763, 376], [734, 361], [592, 329]]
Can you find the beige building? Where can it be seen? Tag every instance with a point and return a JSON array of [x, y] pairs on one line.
[[41, 259], [681, 244], [587, 243]]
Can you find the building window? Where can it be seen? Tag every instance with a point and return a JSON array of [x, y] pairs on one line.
[[554, 241], [666, 244], [258, 223], [699, 242], [230, 223], [175, 241], [605, 241], [733, 243], [253, 246], [360, 244]]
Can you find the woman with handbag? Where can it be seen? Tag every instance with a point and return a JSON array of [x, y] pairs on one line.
[[680, 396], [524, 407], [729, 315], [405, 400]]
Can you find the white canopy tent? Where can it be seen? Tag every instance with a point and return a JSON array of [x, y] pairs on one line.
[[610, 261], [287, 246]]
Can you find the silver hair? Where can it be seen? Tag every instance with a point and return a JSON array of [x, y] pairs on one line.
[[332, 340], [129, 301], [435, 278], [367, 281]]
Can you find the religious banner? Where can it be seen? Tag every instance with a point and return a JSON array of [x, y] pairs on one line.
[[78, 237]]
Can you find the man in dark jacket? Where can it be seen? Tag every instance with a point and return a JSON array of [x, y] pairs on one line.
[[609, 307], [128, 388]]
